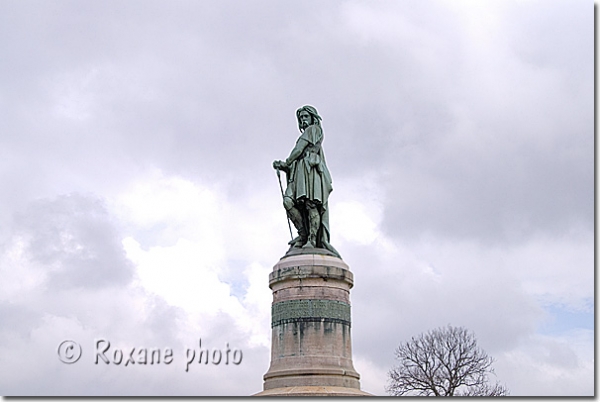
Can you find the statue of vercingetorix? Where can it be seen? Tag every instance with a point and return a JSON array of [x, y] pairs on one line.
[[308, 184]]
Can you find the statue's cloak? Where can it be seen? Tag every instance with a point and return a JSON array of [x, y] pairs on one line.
[[309, 177]]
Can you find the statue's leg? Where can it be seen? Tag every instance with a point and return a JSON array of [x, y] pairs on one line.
[[296, 218], [314, 222]]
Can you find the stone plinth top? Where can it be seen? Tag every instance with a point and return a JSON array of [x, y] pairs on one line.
[[298, 251], [300, 260], [307, 266], [313, 391]]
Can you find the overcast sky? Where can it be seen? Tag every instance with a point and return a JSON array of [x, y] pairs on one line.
[[140, 205]]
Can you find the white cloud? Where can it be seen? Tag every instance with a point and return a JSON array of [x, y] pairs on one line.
[[156, 309], [195, 272], [354, 224], [182, 274], [20, 278]]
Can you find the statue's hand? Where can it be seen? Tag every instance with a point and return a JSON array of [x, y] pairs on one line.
[[279, 165]]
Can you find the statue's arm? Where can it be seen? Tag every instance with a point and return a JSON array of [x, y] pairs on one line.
[[297, 151]]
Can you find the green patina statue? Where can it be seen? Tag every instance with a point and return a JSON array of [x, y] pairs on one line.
[[308, 185]]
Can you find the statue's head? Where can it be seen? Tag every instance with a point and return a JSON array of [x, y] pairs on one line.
[[307, 115]]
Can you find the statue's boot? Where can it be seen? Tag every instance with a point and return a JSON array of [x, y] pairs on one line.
[[296, 219], [314, 221], [310, 243], [299, 240]]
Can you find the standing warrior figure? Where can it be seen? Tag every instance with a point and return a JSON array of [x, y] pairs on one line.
[[308, 184]]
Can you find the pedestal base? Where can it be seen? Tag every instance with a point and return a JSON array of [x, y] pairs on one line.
[[311, 352], [313, 391]]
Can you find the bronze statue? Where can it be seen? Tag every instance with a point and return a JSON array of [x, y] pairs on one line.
[[308, 185]]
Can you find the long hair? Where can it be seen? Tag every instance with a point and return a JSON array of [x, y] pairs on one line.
[[316, 119]]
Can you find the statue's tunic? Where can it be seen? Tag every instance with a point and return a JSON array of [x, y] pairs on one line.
[[309, 176]]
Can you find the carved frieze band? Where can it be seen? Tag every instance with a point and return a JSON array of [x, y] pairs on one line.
[[290, 311]]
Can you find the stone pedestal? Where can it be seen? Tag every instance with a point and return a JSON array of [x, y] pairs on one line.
[[311, 352]]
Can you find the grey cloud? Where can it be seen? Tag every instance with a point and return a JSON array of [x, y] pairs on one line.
[[542, 34], [176, 96], [512, 155], [17, 320], [408, 300], [507, 198], [74, 240]]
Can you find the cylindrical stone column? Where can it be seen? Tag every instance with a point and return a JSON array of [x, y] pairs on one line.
[[310, 321]]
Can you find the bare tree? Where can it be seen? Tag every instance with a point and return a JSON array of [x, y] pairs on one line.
[[443, 362]]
